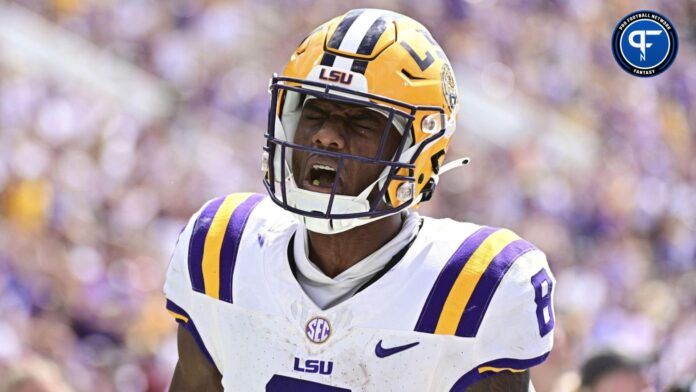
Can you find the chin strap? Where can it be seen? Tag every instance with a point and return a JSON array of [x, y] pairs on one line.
[[427, 192]]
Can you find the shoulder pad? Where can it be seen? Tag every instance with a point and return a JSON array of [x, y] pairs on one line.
[[464, 288]]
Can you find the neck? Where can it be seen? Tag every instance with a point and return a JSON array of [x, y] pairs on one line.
[[336, 253]]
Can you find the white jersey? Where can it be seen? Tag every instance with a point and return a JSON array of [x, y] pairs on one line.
[[464, 302]]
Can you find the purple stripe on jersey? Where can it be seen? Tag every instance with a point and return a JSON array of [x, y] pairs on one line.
[[200, 231], [473, 375], [290, 384], [484, 290], [191, 327], [230, 244], [443, 285], [177, 309]]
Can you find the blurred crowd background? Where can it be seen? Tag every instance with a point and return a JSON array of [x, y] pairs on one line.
[[119, 118]]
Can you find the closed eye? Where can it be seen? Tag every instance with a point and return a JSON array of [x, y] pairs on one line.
[[364, 128], [314, 114], [366, 123]]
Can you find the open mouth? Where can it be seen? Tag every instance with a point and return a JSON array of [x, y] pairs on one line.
[[320, 177]]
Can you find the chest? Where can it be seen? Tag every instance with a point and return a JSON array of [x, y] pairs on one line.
[[271, 352], [273, 337]]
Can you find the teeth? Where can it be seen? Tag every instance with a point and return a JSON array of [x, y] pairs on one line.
[[323, 167]]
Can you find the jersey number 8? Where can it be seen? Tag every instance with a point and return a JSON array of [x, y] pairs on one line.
[[542, 296]]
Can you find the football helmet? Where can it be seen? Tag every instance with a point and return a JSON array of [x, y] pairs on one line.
[[383, 61]]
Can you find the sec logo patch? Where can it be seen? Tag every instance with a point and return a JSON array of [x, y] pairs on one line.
[[318, 329], [645, 43]]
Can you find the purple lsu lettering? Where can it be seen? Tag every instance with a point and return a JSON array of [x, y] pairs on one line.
[[336, 76], [313, 366]]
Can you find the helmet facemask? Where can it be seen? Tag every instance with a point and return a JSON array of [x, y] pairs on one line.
[[334, 212]]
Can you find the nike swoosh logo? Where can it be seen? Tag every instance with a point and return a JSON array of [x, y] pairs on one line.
[[385, 352]]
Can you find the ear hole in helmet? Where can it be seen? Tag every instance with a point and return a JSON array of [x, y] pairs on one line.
[[431, 123]]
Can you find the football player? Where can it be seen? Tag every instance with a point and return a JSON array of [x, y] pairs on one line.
[[330, 282]]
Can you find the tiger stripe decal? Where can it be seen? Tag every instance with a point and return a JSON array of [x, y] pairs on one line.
[[359, 37], [342, 29], [369, 40]]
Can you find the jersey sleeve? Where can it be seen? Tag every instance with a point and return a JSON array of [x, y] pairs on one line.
[[517, 330], [177, 286], [180, 301], [200, 273]]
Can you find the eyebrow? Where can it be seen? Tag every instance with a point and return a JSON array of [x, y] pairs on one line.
[[314, 108], [367, 114]]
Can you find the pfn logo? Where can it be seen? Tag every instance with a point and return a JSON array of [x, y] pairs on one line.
[[641, 44], [313, 366], [336, 76], [645, 43]]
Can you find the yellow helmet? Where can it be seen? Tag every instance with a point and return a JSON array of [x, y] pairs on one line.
[[382, 60]]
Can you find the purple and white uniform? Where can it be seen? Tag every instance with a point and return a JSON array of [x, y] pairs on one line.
[[464, 302]]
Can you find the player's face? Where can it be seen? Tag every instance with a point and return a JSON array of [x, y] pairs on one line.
[[342, 128]]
